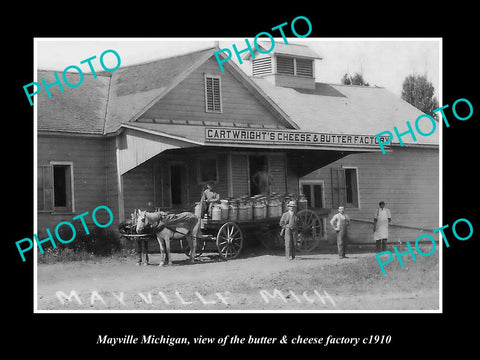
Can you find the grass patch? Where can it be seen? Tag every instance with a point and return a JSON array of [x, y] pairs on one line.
[[98, 243]]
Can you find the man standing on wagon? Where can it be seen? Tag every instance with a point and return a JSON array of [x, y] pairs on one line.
[[288, 222]]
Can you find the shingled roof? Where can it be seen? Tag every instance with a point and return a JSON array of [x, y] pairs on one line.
[[135, 88], [101, 105], [77, 110], [347, 109]]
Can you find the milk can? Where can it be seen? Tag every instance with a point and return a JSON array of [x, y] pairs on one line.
[[216, 212], [232, 211], [302, 202], [259, 209], [273, 207], [278, 203], [249, 205], [242, 210], [198, 209], [224, 208]]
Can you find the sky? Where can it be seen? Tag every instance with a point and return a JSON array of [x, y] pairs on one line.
[[384, 62]]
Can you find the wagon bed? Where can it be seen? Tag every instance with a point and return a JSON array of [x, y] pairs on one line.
[[229, 235]]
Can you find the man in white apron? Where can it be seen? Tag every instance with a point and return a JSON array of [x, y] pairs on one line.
[[380, 226]]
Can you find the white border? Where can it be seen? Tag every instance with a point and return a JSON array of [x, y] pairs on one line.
[[35, 160]]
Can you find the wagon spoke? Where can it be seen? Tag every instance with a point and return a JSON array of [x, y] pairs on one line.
[[222, 250], [235, 234], [229, 240], [308, 235]]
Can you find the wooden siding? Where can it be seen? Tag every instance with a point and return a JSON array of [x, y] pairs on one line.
[[148, 185], [112, 193], [187, 101], [291, 176], [239, 180], [92, 163], [406, 179], [138, 188], [277, 170]]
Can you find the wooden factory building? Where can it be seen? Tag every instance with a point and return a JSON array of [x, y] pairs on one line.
[[151, 135]]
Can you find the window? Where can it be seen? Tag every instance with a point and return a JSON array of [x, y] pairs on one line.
[[313, 191], [207, 170], [213, 95], [351, 187], [55, 187], [345, 187], [294, 66]]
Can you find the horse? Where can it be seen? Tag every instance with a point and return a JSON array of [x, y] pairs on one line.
[[170, 226]]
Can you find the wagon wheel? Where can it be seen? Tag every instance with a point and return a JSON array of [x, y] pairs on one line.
[[229, 240], [201, 244], [309, 230]]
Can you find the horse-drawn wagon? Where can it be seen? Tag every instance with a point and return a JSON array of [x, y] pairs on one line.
[[227, 235]]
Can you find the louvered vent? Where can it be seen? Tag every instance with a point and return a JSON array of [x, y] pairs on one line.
[[213, 100], [285, 65], [304, 67], [262, 66]]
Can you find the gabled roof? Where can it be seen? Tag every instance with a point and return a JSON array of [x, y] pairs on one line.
[[135, 88], [102, 105]]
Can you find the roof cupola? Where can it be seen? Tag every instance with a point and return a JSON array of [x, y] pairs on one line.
[[291, 65]]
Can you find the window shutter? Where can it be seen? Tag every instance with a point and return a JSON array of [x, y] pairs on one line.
[[216, 95], [45, 188], [338, 188], [213, 100], [209, 93]]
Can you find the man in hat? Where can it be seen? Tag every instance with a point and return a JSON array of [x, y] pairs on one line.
[[208, 199], [340, 222], [288, 223]]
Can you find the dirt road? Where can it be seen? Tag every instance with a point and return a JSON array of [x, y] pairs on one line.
[[258, 281]]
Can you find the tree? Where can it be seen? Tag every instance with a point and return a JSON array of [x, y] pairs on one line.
[[419, 92], [356, 79]]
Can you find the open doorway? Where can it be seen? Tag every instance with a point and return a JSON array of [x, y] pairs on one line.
[[178, 185], [260, 179]]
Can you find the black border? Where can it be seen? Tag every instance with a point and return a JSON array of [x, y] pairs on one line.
[[412, 334]]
